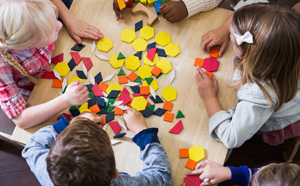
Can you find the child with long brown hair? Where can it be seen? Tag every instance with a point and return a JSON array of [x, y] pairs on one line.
[[266, 41]]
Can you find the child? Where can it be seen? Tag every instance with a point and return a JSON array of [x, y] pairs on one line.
[[220, 36], [81, 153], [266, 41], [273, 174], [26, 45], [176, 11]]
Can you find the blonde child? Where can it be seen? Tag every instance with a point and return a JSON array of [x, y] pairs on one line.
[[266, 41], [176, 11], [29, 28], [283, 174]]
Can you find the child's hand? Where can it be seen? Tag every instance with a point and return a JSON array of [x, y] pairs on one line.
[[76, 93], [135, 121], [117, 10], [80, 29], [214, 37], [173, 11], [91, 116], [207, 88], [215, 172]]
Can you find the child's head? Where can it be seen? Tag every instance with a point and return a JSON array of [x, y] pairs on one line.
[[277, 174], [274, 56], [27, 23], [81, 155]]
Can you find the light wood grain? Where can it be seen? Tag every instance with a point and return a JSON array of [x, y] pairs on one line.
[[188, 35]]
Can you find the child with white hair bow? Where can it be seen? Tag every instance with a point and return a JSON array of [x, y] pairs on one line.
[[266, 41]]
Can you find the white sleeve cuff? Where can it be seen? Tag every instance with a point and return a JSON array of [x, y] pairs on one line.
[[196, 6]]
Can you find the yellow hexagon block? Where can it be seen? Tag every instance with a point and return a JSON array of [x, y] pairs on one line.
[[115, 62], [84, 108], [144, 72], [104, 44], [196, 153], [128, 35], [153, 84], [113, 86], [172, 49], [147, 32], [75, 78], [164, 65], [163, 38], [139, 103], [132, 62], [62, 68], [169, 93], [139, 44], [150, 63]]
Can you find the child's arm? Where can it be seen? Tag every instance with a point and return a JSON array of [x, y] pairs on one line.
[[76, 28], [117, 10], [76, 94], [157, 170]]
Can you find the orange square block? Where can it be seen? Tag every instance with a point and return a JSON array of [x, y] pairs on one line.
[[168, 106], [183, 153], [57, 83], [210, 75], [156, 71], [104, 119], [168, 116], [198, 62], [214, 53], [122, 79], [95, 108], [103, 86], [132, 76], [118, 111], [190, 164], [144, 90]]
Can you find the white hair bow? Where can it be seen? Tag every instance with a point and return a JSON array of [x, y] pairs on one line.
[[247, 37]]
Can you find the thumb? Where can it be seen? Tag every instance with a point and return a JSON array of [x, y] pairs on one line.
[[222, 49], [77, 39]]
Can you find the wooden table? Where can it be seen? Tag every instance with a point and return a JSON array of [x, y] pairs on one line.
[[188, 35]]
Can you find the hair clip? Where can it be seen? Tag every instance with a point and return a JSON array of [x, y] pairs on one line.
[[247, 37]]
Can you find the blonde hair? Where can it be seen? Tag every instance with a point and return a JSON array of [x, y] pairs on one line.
[[273, 58], [277, 174], [25, 23]]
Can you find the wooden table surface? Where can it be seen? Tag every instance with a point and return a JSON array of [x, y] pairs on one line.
[[188, 35]]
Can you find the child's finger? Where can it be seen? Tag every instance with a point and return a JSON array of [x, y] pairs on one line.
[[198, 69], [77, 39], [205, 43], [195, 172], [222, 49], [162, 7], [165, 10], [200, 164]]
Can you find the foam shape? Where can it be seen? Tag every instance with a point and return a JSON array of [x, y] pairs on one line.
[[156, 71], [115, 126], [144, 72], [168, 106], [62, 68], [132, 84], [214, 53], [147, 61], [196, 153], [103, 86], [153, 84], [98, 77], [190, 164], [123, 79], [81, 74], [147, 112], [198, 62], [138, 25], [151, 107], [139, 55], [149, 80], [128, 35], [183, 153], [104, 119], [159, 112], [151, 53], [147, 32], [72, 64], [95, 108], [139, 44], [78, 47], [139, 8], [122, 124], [110, 117], [138, 80], [151, 45], [139, 103], [172, 76], [210, 75], [100, 56], [75, 78], [121, 4], [152, 91], [151, 2], [120, 135], [57, 83], [56, 74], [109, 77], [157, 4], [129, 4], [179, 114], [96, 90], [164, 65], [87, 63], [84, 69], [132, 76], [172, 49], [92, 79], [115, 62], [93, 46], [163, 38], [211, 64], [64, 84], [84, 108], [113, 86], [157, 99], [58, 58], [144, 90], [168, 116], [113, 94], [125, 96], [74, 111], [132, 62], [105, 44], [135, 89], [161, 52], [192, 181], [76, 56], [177, 128], [169, 93], [121, 72], [113, 142]]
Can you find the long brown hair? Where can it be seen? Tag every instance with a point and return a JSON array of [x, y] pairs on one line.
[[273, 59]]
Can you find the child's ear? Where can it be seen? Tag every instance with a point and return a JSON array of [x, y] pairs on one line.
[[116, 174]]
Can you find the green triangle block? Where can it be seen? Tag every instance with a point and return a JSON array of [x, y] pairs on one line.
[[151, 107], [73, 108], [159, 75], [149, 80], [121, 72], [138, 80], [111, 100], [179, 114], [91, 95], [99, 113], [65, 89], [110, 108], [121, 56]]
